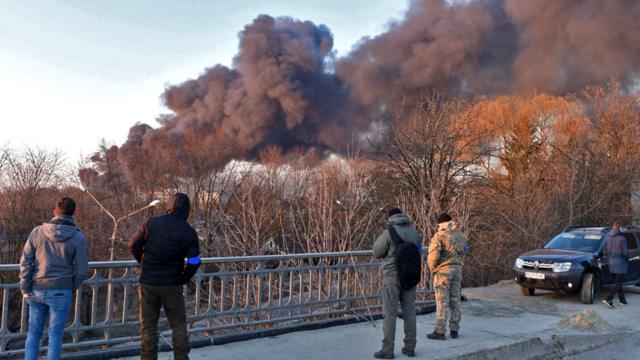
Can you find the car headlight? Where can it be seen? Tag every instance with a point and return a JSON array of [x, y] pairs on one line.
[[519, 263], [561, 267]]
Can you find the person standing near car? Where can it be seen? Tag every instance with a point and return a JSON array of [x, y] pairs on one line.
[[54, 263], [617, 252], [168, 251], [446, 250], [392, 292]]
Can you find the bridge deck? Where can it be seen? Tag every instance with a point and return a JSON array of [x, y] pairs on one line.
[[494, 317]]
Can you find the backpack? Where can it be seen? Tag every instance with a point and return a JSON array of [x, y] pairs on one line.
[[408, 261]]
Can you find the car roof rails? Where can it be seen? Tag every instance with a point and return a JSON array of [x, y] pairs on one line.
[[573, 227], [632, 227]]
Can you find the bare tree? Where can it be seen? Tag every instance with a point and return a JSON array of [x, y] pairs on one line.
[[29, 182]]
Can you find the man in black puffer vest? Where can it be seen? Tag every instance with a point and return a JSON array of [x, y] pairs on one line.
[[169, 255]]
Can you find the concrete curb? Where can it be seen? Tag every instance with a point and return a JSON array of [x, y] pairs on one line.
[[556, 347], [529, 349], [578, 344]]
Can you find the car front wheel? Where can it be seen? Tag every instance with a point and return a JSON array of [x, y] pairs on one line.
[[588, 290], [527, 291]]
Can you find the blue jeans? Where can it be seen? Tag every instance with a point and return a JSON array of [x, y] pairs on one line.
[[55, 304]]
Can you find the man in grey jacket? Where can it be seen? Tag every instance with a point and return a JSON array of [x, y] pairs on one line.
[[392, 292], [54, 263]]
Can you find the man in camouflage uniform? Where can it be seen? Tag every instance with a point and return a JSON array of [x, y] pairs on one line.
[[445, 264]]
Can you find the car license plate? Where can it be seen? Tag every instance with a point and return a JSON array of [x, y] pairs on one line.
[[532, 275]]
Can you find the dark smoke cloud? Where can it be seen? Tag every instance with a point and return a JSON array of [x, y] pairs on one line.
[[286, 88], [566, 45], [493, 47], [436, 46], [278, 92]]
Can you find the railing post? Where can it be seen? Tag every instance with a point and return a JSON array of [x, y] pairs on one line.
[[198, 292], [4, 323], [126, 289], [24, 306], [75, 325], [109, 304]]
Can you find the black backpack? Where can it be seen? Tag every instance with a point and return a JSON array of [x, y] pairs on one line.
[[408, 261]]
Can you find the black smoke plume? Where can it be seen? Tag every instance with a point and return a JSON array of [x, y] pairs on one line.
[[286, 87]]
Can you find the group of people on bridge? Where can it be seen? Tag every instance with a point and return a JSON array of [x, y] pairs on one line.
[[54, 264], [446, 250]]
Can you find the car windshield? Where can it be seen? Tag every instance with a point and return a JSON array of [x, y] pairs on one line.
[[575, 241]]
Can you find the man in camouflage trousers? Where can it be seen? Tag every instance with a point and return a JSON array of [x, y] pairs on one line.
[[445, 264]]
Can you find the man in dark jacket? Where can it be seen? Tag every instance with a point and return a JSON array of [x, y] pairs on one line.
[[617, 252], [54, 263], [384, 248], [161, 246]]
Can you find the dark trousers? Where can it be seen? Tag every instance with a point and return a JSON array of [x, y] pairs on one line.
[[617, 287], [152, 298]]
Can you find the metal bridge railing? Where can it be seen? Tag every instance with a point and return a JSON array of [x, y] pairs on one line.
[[228, 295]]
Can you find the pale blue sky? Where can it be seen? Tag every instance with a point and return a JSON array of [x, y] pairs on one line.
[[73, 72]]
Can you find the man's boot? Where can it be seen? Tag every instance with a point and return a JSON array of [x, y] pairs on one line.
[[384, 355], [609, 303], [623, 301], [408, 352], [436, 336], [454, 334]]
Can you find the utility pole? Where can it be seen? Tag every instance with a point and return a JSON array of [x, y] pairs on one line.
[[635, 202], [112, 248]]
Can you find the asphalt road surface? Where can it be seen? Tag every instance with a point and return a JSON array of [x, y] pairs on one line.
[[497, 323]]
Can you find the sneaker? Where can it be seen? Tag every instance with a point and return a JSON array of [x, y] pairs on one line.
[[623, 301], [609, 303], [383, 355], [408, 353], [454, 334], [436, 336]]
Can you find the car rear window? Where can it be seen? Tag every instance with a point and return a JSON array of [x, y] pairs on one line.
[[575, 241]]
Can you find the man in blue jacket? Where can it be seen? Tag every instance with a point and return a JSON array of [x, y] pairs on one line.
[[54, 263], [168, 251], [617, 252]]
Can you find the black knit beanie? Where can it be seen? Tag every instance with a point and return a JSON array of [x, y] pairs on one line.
[[444, 217], [394, 211]]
